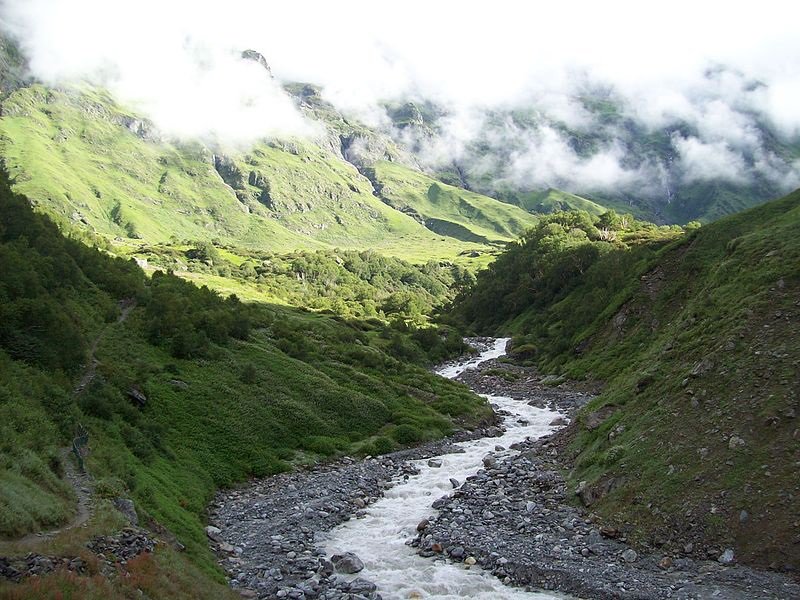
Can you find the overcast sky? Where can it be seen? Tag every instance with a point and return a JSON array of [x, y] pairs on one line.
[[177, 60]]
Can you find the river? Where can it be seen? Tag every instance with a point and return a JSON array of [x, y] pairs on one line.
[[380, 537]]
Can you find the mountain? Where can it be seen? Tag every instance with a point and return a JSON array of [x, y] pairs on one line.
[[447, 210], [105, 173], [713, 157], [694, 335]]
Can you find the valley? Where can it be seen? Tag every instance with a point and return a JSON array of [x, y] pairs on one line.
[[302, 339]]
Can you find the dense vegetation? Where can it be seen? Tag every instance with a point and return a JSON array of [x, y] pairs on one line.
[[548, 262], [696, 340], [190, 391], [345, 282]]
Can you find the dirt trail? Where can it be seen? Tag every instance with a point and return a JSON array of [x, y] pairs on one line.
[[81, 482], [90, 370]]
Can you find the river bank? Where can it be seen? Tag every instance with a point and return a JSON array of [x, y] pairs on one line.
[[483, 515]]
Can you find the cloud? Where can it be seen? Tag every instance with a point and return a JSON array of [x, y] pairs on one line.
[[153, 57], [702, 161], [178, 61], [549, 161]]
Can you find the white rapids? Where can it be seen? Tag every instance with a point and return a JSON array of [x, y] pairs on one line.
[[379, 539]]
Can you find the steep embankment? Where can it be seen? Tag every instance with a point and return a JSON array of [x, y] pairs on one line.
[[191, 392], [695, 438]]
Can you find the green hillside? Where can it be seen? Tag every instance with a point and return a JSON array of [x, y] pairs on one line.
[[696, 339], [448, 210], [552, 200], [104, 172], [183, 391]]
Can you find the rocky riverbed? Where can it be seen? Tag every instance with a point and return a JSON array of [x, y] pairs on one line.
[[515, 518]]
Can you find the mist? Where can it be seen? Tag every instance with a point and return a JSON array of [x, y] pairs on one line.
[[723, 69]]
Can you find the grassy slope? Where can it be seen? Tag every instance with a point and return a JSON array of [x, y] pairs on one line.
[[300, 387], [450, 210], [553, 200], [97, 168], [698, 343]]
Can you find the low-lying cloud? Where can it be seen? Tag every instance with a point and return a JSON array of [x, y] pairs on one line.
[[722, 71]]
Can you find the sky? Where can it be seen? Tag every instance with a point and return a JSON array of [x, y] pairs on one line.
[[178, 62]]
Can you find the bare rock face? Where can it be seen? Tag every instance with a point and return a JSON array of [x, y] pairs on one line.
[[256, 56]]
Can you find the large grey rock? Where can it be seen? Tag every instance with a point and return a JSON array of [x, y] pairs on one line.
[[347, 563], [630, 555], [214, 533], [595, 419], [127, 508]]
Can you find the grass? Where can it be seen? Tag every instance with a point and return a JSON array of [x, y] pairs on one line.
[[552, 200], [696, 338], [449, 210], [72, 153], [290, 388]]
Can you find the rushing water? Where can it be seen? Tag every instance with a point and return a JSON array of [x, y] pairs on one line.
[[379, 539]]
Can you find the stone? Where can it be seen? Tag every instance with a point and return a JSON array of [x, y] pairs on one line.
[[665, 563], [359, 585], [727, 557], [470, 560], [435, 463], [137, 396], [598, 417], [735, 442], [457, 552], [489, 461], [630, 555], [744, 516], [214, 533], [347, 563], [423, 525], [454, 482], [127, 508], [558, 422]]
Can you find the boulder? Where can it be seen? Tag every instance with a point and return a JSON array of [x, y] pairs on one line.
[[347, 563], [214, 533], [630, 555], [127, 508], [137, 396]]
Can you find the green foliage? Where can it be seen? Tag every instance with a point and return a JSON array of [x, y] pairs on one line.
[[232, 390], [544, 266], [696, 338]]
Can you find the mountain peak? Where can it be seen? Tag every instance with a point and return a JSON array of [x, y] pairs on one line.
[[256, 56]]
